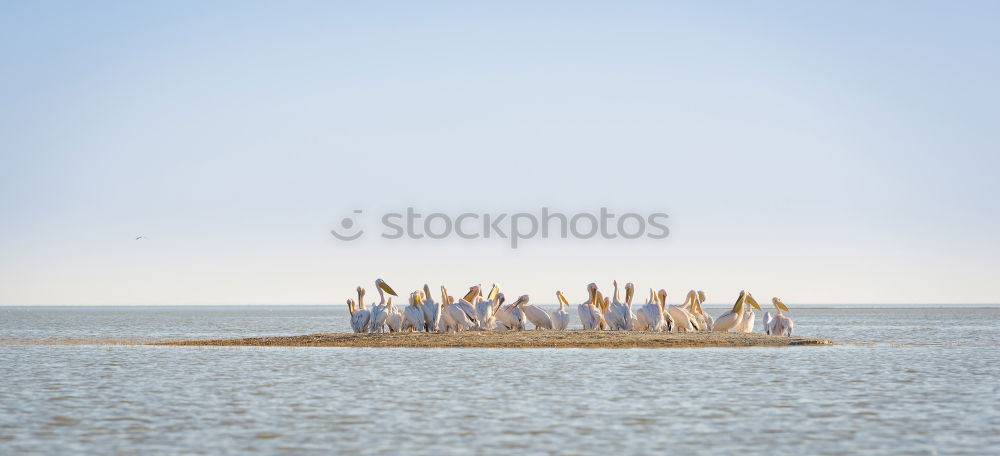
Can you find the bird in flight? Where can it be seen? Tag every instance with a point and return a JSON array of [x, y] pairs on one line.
[[140, 237]]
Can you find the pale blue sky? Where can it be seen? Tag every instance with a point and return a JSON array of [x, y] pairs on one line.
[[836, 152]]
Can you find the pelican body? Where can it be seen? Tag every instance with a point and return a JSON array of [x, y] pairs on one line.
[[780, 325], [560, 318], [380, 311], [536, 315], [732, 319], [413, 314], [650, 316], [590, 315], [360, 317], [453, 317], [618, 313], [432, 312]]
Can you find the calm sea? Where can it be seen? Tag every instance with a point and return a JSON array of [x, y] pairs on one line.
[[917, 380]]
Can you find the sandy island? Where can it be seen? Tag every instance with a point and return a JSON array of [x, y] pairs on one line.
[[517, 339]]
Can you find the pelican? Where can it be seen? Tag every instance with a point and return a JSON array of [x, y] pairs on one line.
[[692, 305], [732, 319], [534, 314], [683, 320], [432, 312], [669, 323], [705, 316], [780, 325], [360, 317], [602, 307], [617, 315], [394, 318], [486, 309], [355, 319], [509, 317], [629, 294], [465, 304], [380, 312], [452, 316], [746, 324], [590, 315], [413, 315], [560, 318], [650, 315]]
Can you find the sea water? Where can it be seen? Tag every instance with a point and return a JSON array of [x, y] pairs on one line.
[[920, 380]]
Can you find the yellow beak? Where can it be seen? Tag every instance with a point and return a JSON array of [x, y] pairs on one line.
[[386, 288]]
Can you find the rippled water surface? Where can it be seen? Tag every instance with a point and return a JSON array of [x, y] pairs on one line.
[[902, 381]]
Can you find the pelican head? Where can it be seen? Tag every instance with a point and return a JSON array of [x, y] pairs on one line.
[[662, 297], [742, 298], [521, 300], [562, 299], [778, 304], [753, 302], [381, 285], [474, 291], [592, 290], [350, 305], [493, 292], [361, 298], [629, 293]]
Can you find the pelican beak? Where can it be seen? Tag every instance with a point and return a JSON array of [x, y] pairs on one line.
[[562, 299], [629, 292], [473, 292], [738, 307], [493, 292], [386, 288], [753, 302], [780, 305]]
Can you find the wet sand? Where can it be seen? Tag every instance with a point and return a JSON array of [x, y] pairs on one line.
[[517, 339]]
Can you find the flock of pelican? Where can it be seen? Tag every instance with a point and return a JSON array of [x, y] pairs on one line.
[[474, 311]]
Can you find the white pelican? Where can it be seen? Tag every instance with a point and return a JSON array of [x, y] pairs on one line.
[[394, 318], [466, 304], [380, 312], [732, 319], [355, 321], [617, 315], [432, 312], [534, 314], [669, 323], [683, 320], [780, 325], [508, 317], [360, 317], [590, 315], [485, 310], [692, 304], [413, 315], [560, 318], [650, 316], [629, 294], [746, 324], [706, 318], [602, 307], [452, 316]]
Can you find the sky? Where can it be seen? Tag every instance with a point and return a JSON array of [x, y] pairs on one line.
[[823, 152]]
